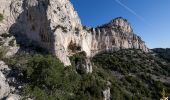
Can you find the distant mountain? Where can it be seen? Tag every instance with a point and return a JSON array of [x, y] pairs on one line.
[[163, 52]]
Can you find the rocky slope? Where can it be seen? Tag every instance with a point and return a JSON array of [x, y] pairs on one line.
[[137, 75], [127, 74], [55, 26]]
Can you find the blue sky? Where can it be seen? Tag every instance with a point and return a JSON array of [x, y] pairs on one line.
[[150, 19]]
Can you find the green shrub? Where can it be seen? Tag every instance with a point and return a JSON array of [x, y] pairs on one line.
[[11, 43], [133, 70], [1, 17], [74, 47], [47, 77], [3, 51], [5, 35], [77, 30], [45, 71], [64, 29]]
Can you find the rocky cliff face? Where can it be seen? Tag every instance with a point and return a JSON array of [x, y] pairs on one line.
[[117, 34], [55, 25]]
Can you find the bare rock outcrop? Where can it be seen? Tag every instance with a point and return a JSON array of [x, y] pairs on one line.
[[8, 45], [106, 94], [4, 87], [54, 25], [9, 87]]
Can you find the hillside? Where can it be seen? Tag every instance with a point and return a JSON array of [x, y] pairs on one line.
[[120, 75], [163, 53], [137, 74]]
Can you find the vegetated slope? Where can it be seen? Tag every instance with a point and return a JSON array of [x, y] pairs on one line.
[[130, 74], [138, 75], [163, 53], [46, 78]]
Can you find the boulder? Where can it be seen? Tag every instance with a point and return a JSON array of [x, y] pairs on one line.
[[4, 86]]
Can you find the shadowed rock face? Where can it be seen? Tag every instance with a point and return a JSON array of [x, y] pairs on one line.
[[54, 25], [50, 23]]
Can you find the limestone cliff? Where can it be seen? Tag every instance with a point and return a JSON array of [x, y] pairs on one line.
[[117, 34], [55, 25]]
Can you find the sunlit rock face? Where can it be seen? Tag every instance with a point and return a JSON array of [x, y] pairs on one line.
[[117, 34], [55, 26]]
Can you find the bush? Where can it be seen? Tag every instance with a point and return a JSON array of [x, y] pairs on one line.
[[1, 17], [74, 47], [3, 51], [5, 35], [47, 78], [133, 70], [12, 42], [44, 71]]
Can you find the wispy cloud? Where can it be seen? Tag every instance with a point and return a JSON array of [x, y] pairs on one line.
[[130, 10]]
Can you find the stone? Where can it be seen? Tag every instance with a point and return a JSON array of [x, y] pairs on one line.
[[4, 87], [13, 97], [3, 66], [9, 45], [106, 94]]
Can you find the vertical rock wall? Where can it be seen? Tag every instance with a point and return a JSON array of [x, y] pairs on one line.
[[117, 34]]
